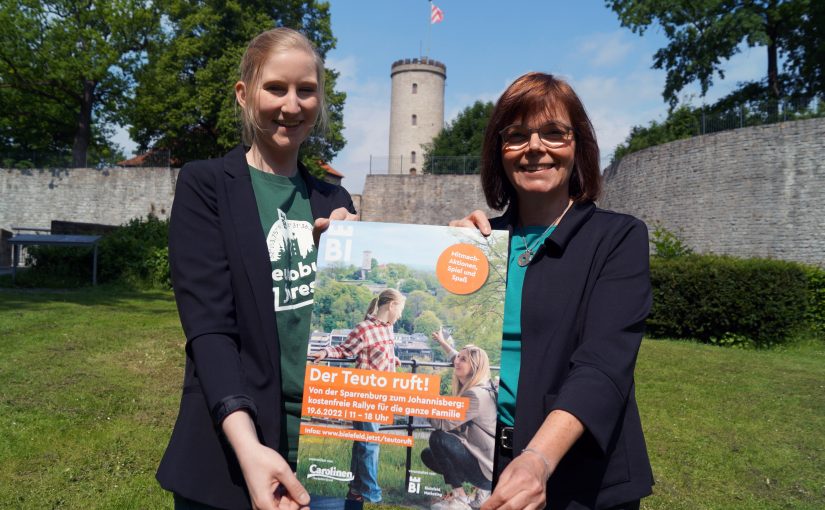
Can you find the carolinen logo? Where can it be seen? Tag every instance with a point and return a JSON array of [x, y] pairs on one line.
[[331, 473]]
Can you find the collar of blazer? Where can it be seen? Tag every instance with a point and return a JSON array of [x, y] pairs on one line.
[[236, 166], [565, 230]]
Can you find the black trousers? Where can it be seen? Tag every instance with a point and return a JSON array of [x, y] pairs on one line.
[[448, 457]]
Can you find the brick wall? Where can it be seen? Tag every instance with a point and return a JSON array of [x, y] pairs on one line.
[[757, 191], [113, 196], [423, 199]]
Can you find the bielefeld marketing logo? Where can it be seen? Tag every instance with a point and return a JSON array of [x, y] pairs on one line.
[[329, 474]]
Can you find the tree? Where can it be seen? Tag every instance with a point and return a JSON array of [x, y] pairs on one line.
[[65, 71], [427, 323], [703, 35], [185, 100], [680, 123], [807, 51], [463, 137]]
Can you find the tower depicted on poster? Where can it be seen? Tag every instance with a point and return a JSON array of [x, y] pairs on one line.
[[400, 392]]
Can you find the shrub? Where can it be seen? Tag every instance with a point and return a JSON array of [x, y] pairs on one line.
[[816, 298], [725, 300], [666, 244], [135, 253], [125, 254]]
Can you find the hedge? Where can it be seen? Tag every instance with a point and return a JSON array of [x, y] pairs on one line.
[[724, 300], [135, 253]]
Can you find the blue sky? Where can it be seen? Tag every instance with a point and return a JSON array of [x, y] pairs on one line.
[[485, 45]]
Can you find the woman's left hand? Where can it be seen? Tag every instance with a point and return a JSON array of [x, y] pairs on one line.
[[322, 224], [522, 485]]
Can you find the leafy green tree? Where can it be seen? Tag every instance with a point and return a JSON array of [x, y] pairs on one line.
[[681, 123], [426, 323], [65, 72], [418, 302], [408, 285], [463, 137], [339, 305], [807, 50], [704, 34], [185, 99]]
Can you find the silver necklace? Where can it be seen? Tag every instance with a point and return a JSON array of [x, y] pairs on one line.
[[527, 255]]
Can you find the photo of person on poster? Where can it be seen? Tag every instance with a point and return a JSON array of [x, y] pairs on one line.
[[372, 343], [462, 450]]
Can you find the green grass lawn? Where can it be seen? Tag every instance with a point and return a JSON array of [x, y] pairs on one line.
[[90, 378]]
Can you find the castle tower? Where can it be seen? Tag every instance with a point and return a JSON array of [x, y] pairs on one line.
[[416, 111]]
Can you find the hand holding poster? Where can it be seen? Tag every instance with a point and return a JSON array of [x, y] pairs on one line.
[[395, 410]]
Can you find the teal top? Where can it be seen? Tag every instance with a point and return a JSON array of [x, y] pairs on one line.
[[511, 341], [286, 218]]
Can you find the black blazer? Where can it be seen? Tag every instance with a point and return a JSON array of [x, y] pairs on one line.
[[585, 299], [221, 275]]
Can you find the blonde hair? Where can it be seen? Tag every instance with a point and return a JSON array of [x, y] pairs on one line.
[[260, 48], [385, 297], [479, 366]]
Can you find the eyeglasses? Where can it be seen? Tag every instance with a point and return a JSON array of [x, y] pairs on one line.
[[552, 134]]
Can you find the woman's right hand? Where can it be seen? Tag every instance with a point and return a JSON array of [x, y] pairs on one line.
[[271, 483], [476, 219], [270, 480]]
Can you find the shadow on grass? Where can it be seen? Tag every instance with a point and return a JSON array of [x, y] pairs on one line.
[[110, 295]]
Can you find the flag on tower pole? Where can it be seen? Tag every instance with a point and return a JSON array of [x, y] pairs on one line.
[[436, 14]]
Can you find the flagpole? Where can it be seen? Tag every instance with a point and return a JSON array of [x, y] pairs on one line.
[[429, 26]]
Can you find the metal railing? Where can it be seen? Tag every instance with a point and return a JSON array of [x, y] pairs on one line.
[[756, 113]]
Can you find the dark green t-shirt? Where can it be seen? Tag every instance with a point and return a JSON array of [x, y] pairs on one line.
[[511, 342], [286, 217]]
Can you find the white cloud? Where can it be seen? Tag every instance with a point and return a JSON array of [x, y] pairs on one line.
[[366, 122], [347, 68], [615, 105], [606, 49]]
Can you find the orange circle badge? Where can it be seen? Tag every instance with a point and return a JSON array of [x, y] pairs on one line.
[[462, 268]]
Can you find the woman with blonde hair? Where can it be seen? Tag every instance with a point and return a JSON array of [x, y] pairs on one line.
[[462, 450], [239, 224], [372, 343]]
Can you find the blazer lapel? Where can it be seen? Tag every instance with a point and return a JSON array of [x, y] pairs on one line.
[[250, 236]]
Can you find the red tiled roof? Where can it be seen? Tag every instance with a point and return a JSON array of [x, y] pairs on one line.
[[330, 170]]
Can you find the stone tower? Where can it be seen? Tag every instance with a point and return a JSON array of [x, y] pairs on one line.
[[416, 111]]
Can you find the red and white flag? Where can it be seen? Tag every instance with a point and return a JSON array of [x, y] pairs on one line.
[[436, 14]]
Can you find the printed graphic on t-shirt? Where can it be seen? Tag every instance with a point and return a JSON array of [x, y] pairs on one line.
[[290, 244]]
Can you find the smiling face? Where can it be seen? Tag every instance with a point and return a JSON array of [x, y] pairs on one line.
[[463, 366], [287, 101], [537, 168]]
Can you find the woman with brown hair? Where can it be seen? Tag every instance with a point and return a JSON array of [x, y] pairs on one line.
[[578, 292]]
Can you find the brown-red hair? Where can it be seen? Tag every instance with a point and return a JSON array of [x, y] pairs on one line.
[[531, 94]]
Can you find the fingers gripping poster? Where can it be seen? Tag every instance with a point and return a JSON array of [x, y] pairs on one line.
[[399, 406]]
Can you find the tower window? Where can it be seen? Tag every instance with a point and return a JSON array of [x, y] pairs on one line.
[[415, 88], [414, 120], [412, 157]]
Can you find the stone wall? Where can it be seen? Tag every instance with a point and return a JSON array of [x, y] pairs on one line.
[[756, 191], [113, 196], [423, 199], [751, 192]]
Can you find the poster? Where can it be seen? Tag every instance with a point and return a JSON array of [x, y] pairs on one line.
[[393, 389]]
